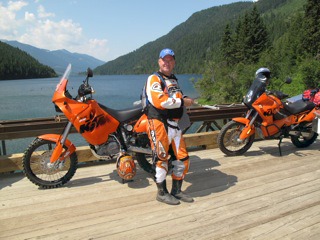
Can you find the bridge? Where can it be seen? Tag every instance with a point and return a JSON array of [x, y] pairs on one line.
[[259, 195]]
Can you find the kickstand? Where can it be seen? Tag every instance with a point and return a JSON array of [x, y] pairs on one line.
[[280, 146]]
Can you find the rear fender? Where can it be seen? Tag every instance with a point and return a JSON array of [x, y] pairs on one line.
[[248, 130], [59, 148]]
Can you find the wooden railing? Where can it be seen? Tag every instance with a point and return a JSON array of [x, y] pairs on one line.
[[15, 129]]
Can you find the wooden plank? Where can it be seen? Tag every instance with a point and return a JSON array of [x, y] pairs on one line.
[[259, 195], [202, 139]]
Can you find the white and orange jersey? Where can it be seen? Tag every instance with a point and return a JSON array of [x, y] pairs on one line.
[[169, 97]]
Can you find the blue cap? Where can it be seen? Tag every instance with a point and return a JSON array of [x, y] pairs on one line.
[[166, 52]]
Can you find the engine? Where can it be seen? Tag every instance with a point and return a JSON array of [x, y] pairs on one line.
[[106, 150]]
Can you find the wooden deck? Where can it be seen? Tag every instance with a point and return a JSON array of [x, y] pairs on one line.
[[256, 196]]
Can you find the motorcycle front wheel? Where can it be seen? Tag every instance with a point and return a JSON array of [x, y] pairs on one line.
[[228, 139], [37, 169]]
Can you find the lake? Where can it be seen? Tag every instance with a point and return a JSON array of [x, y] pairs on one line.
[[32, 98]]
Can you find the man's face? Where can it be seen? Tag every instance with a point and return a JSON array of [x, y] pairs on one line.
[[166, 65]]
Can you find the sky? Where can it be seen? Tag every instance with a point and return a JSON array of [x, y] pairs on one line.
[[104, 29]]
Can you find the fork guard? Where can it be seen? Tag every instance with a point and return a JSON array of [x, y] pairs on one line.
[[59, 148], [248, 130]]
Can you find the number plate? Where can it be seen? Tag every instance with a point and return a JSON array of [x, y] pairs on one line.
[[316, 125]]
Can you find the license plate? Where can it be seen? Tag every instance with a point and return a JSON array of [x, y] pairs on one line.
[[316, 125]]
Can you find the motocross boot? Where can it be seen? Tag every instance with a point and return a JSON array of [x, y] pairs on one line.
[[164, 196], [177, 193]]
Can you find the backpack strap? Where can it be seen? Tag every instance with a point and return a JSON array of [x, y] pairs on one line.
[[161, 78]]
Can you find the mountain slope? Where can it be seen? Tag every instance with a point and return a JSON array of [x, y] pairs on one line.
[[17, 64], [191, 41], [198, 39], [59, 59]]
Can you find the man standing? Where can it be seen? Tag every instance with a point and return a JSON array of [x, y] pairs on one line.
[[165, 108]]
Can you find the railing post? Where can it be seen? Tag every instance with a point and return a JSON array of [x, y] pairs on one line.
[[4, 151]]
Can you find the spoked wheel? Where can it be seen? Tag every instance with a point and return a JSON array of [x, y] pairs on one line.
[[37, 167], [145, 160], [302, 142], [228, 139]]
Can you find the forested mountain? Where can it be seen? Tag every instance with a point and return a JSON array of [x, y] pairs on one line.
[[192, 41], [17, 64], [227, 44], [290, 46], [59, 59], [198, 39]]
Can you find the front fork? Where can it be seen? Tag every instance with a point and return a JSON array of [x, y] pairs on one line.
[[249, 128], [60, 140]]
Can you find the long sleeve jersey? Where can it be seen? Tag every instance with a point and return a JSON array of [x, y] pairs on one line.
[[166, 98]]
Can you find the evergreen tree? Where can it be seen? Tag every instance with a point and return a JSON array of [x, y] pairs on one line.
[[227, 46], [311, 41], [258, 36]]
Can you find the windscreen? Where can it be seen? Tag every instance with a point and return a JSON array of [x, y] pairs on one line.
[[256, 89]]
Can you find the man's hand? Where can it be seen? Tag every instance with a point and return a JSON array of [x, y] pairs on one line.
[[187, 101]]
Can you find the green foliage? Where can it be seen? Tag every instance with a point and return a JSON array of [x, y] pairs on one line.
[[16, 64], [311, 39], [290, 51], [310, 71]]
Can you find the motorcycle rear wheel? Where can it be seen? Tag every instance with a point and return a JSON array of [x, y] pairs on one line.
[[35, 165], [303, 142], [145, 162], [228, 139]]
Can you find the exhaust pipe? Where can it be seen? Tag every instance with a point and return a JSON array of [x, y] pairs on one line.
[[140, 150], [299, 133]]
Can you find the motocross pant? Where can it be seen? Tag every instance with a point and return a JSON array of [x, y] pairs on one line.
[[161, 135]]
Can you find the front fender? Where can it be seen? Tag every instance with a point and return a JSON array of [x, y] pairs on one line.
[[248, 130], [58, 149], [245, 121]]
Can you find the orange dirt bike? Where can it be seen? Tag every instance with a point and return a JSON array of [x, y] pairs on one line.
[[51, 160], [270, 118]]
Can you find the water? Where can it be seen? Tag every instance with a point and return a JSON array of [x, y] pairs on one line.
[[32, 98]]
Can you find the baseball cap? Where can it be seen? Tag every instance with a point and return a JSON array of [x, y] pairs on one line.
[[165, 52]]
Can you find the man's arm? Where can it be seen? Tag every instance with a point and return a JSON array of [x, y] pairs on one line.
[[159, 98]]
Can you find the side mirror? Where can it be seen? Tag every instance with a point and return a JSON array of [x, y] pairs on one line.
[[288, 80], [89, 72]]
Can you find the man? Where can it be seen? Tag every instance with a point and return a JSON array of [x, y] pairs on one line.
[[165, 108]]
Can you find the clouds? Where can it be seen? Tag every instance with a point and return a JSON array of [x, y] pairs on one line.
[[40, 28]]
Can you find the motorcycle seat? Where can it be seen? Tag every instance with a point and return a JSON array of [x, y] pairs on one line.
[[125, 114], [298, 106]]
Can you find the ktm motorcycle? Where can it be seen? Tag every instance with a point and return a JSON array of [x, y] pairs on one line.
[[51, 159], [270, 118]]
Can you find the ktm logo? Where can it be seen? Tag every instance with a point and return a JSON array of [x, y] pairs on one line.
[[93, 123]]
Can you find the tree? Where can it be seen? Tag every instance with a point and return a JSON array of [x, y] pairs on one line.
[[311, 41], [258, 36], [227, 46]]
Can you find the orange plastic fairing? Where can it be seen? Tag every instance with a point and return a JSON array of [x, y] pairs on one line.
[[141, 125]]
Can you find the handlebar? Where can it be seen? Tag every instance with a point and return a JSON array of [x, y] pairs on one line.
[[278, 94], [85, 89]]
